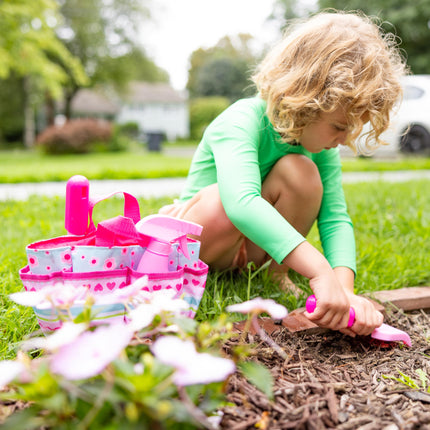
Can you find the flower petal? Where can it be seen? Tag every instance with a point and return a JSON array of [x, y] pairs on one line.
[[259, 305], [205, 369], [91, 352], [9, 370], [191, 367]]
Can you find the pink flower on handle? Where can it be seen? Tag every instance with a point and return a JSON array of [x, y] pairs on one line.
[[191, 366], [90, 353], [259, 305]]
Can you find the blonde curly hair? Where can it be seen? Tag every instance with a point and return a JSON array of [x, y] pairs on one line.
[[333, 60]]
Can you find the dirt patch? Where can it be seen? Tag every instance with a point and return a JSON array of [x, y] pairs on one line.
[[333, 381]]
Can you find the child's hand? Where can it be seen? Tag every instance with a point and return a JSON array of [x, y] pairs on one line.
[[332, 310], [367, 318]]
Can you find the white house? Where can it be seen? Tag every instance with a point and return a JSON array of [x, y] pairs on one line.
[[155, 107]]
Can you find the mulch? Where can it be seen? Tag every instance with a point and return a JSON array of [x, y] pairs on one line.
[[334, 381]]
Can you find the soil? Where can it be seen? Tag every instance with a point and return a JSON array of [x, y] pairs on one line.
[[334, 381]]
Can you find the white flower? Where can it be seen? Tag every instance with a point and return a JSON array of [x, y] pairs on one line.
[[60, 295], [191, 366], [90, 352], [68, 332], [9, 370], [259, 305]]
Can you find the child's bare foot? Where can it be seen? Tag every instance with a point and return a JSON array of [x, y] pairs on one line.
[[285, 283]]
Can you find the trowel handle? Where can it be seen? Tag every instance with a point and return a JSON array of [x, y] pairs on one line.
[[311, 304]]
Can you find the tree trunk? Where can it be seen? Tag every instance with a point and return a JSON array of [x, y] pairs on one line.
[[49, 110], [69, 95], [29, 121]]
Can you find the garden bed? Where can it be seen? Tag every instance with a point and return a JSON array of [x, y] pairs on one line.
[[333, 381]]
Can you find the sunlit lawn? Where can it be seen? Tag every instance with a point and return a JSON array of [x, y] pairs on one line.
[[31, 166]]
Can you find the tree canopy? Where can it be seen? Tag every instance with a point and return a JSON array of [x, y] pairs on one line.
[[409, 21], [30, 47], [103, 34], [223, 70]]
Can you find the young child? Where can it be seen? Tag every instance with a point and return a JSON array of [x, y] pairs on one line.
[[268, 167]]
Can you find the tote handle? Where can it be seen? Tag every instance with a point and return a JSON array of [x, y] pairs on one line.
[[131, 208]]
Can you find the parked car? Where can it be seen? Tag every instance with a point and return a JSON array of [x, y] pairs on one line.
[[409, 131]]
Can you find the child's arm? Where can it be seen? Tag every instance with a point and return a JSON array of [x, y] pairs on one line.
[[332, 309]]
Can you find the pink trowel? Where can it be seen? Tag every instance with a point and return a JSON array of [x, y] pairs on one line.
[[384, 332]]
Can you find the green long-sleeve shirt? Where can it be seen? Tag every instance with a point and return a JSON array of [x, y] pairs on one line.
[[237, 151]]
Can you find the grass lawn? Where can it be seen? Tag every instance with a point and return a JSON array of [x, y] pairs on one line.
[[174, 160], [32, 166], [392, 224]]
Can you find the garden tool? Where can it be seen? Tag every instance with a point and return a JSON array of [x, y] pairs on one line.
[[384, 332], [163, 231]]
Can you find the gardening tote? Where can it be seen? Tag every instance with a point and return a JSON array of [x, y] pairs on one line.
[[116, 253]]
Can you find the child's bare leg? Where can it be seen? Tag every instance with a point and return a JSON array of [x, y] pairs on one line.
[[220, 239], [294, 188]]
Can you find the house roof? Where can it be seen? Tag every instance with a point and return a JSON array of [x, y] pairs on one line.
[[142, 92], [90, 101]]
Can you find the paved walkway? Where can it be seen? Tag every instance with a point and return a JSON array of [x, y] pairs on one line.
[[171, 186]]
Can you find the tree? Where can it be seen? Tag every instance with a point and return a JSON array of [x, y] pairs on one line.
[[103, 34], [287, 10], [223, 70], [408, 20], [31, 52]]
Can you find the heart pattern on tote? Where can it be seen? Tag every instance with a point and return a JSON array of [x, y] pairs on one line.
[[111, 285], [156, 287], [178, 287], [98, 287], [195, 281]]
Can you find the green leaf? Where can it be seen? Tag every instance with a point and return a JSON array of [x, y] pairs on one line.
[[423, 378], [259, 376]]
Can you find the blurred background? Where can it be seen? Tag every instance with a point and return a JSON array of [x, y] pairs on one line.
[[94, 75]]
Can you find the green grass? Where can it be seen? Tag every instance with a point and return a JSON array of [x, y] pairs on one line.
[[392, 224], [377, 164], [32, 166]]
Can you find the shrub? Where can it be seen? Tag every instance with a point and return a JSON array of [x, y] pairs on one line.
[[129, 129], [76, 136], [203, 111]]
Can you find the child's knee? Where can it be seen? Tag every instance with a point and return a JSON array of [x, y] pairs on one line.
[[211, 204], [300, 175]]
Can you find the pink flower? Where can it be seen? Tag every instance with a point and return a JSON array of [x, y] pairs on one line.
[[141, 317], [259, 305], [91, 352], [191, 366], [59, 295], [9, 370], [126, 294], [164, 301], [68, 333]]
